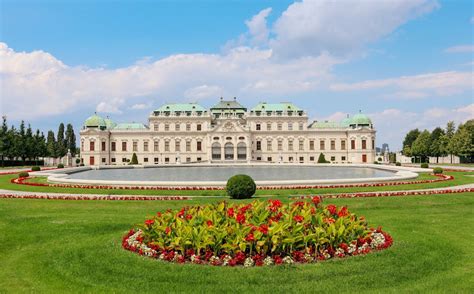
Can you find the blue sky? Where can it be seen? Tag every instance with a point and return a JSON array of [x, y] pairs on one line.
[[404, 63]]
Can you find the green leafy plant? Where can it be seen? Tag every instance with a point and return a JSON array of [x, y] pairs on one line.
[[437, 170], [134, 159], [398, 163], [23, 174], [241, 187], [424, 165], [322, 159], [35, 168], [60, 165]]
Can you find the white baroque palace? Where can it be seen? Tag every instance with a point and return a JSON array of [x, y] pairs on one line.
[[228, 132]]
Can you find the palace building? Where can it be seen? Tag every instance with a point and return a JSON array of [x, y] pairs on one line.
[[227, 132]]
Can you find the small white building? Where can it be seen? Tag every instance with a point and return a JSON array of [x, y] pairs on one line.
[[227, 132]]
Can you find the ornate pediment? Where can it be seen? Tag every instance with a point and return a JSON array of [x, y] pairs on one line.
[[229, 126]]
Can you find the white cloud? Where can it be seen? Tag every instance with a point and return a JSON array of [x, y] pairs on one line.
[[111, 106], [308, 28], [257, 27], [203, 92], [460, 49], [140, 106], [417, 86]]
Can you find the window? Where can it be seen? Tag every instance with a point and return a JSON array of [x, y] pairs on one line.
[[167, 127], [124, 146], [155, 127], [321, 145], [311, 145], [113, 159], [188, 127], [155, 160], [290, 159], [311, 158], [280, 145], [188, 159], [333, 145], [92, 146], [258, 127], [279, 126], [364, 144], [167, 146], [269, 126], [373, 144], [343, 158], [343, 144], [103, 145], [301, 145], [198, 127], [156, 146], [177, 146], [301, 126], [188, 146], [82, 145], [113, 147], [124, 159], [199, 146], [145, 159], [269, 159], [333, 158], [290, 145], [290, 126], [259, 145], [167, 160], [103, 159], [145, 146], [269, 145], [199, 159], [135, 146], [301, 159], [353, 144], [177, 127], [259, 158]]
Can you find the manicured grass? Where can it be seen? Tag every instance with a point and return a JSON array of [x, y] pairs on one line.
[[460, 178], [54, 246]]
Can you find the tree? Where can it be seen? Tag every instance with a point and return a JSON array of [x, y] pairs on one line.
[[421, 146], [30, 143], [134, 159], [321, 158], [409, 139], [51, 144], [5, 143], [61, 145], [446, 144], [70, 139], [462, 142], [436, 148], [20, 142]]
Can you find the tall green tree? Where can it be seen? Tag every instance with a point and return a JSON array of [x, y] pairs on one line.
[[446, 144], [462, 142], [20, 142], [51, 145], [436, 148], [71, 139], [5, 143], [408, 141], [30, 143], [421, 146], [61, 142]]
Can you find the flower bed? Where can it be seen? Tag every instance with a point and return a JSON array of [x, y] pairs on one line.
[[259, 233], [24, 181], [92, 197]]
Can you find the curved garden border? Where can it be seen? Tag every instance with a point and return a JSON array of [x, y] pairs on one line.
[[24, 181]]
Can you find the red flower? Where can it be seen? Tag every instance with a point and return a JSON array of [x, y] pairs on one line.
[[329, 220], [149, 222], [250, 238], [343, 212], [209, 223], [274, 205], [332, 209], [189, 216], [240, 218], [316, 200], [230, 212], [263, 229], [167, 230], [298, 218]]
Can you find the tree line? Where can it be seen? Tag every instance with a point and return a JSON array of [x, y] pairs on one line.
[[441, 142], [21, 144]]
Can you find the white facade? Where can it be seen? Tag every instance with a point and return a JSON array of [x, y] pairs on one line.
[[184, 133]]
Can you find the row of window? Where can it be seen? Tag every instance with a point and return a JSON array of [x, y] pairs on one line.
[[322, 145], [177, 127], [156, 146], [113, 160], [259, 126]]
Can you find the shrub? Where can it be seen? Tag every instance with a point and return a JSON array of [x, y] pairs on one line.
[[134, 159], [376, 162], [424, 165], [60, 165], [82, 164], [78, 161], [398, 163], [437, 170], [379, 159], [240, 187], [35, 168], [257, 233], [23, 174], [322, 159]]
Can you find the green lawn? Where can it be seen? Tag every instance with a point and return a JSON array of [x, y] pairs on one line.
[[459, 179], [53, 246]]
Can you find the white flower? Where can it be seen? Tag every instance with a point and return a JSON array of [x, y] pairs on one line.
[[268, 260], [378, 239], [308, 257], [287, 260], [248, 262], [226, 259]]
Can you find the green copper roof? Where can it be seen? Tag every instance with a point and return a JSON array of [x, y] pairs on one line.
[[130, 126], [326, 125], [110, 123], [283, 106], [95, 121], [228, 106], [346, 122], [360, 119], [180, 107]]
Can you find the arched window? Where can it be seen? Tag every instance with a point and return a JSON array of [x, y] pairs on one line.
[[229, 151], [241, 151], [216, 151]]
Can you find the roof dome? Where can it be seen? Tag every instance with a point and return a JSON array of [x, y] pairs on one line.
[[110, 123], [346, 121], [360, 119], [95, 121]]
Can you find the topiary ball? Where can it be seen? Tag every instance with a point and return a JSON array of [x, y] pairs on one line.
[[241, 187], [398, 164], [437, 170], [35, 168], [424, 165], [60, 165], [23, 175]]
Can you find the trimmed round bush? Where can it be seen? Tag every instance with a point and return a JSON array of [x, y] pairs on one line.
[[424, 165], [82, 164], [35, 168], [241, 187], [23, 175], [398, 164], [437, 170], [60, 165]]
